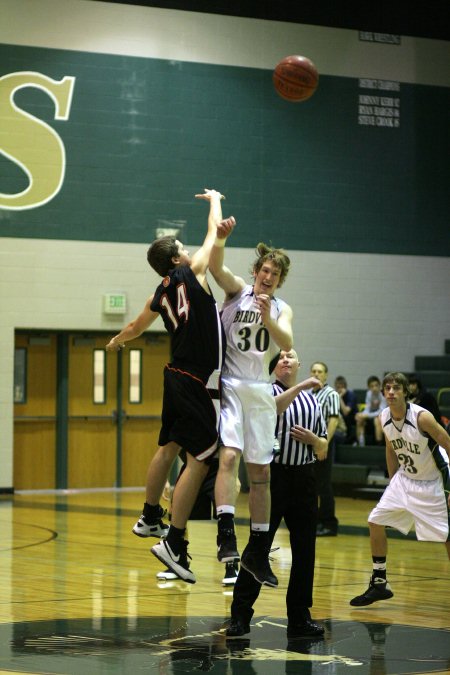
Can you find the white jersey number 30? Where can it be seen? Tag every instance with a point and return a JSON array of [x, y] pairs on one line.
[[261, 339]]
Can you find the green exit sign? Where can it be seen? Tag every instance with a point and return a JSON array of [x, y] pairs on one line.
[[114, 303]]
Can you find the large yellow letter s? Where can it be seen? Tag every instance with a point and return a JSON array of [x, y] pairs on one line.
[[30, 143]]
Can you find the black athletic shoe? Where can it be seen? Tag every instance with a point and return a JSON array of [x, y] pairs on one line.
[[379, 590], [227, 547], [231, 573], [236, 628], [306, 628], [325, 532], [257, 564]]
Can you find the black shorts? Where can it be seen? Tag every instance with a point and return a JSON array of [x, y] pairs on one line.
[[190, 416]]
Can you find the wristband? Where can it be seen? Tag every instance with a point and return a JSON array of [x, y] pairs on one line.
[[219, 242]]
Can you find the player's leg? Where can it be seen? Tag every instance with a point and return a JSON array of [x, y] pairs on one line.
[[195, 429], [378, 431], [247, 588], [232, 438], [225, 497], [150, 523], [378, 540], [158, 471], [431, 512], [172, 551], [255, 558], [260, 421], [379, 588], [186, 491], [360, 428], [259, 496], [208, 490]]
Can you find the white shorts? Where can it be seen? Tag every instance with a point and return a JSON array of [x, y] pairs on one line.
[[248, 419], [408, 502]]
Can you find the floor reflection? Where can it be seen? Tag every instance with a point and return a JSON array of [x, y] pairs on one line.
[[167, 645]]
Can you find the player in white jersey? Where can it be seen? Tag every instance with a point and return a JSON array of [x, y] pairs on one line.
[[250, 352], [257, 326], [417, 457]]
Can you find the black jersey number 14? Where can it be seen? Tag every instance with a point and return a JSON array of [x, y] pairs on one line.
[[182, 309]]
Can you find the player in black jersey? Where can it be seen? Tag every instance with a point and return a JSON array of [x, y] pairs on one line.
[[190, 412]]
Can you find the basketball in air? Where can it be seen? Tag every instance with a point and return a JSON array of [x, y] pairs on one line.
[[295, 78]]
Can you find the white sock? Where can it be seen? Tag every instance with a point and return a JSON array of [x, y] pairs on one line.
[[260, 527]]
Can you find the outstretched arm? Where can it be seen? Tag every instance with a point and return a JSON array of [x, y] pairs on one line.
[[284, 400], [229, 282], [134, 328], [200, 259]]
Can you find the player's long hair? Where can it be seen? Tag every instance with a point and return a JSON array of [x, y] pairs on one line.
[[276, 255]]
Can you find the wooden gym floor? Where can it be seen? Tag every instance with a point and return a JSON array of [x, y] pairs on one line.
[[79, 595]]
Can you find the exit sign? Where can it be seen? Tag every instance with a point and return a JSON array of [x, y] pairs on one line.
[[114, 303]]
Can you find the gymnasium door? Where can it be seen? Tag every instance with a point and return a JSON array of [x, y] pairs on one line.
[[114, 410], [34, 412], [86, 418]]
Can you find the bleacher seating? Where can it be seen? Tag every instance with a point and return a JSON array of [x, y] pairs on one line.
[[360, 395], [359, 471], [434, 371], [443, 399]]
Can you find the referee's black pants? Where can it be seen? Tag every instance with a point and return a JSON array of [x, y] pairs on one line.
[[327, 506], [294, 498]]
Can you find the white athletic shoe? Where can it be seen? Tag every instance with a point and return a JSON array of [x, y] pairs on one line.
[[156, 528], [166, 575], [176, 563]]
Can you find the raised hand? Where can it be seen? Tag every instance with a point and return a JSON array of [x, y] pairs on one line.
[[263, 302], [311, 383], [209, 194], [225, 227]]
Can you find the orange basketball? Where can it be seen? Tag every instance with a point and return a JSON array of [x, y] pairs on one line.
[[295, 78]]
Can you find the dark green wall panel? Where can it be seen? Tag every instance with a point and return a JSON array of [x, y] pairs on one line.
[[144, 135]]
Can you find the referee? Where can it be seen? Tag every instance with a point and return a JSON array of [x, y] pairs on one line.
[[327, 525], [301, 433]]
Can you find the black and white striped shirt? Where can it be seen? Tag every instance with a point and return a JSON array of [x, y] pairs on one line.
[[329, 401], [306, 412]]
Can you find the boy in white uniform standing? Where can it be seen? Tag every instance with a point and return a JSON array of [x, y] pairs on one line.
[[257, 326], [417, 457]]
